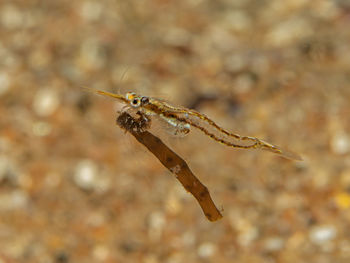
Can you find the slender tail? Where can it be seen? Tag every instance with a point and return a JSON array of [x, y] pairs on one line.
[[284, 153], [224, 136]]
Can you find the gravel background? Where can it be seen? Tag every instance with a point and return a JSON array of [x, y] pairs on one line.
[[75, 188]]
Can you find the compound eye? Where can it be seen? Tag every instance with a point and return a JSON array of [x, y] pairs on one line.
[[130, 95], [144, 100], [135, 102]]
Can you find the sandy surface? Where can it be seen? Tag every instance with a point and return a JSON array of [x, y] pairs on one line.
[[75, 188]]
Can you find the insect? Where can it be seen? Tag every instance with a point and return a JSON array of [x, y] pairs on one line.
[[183, 119]]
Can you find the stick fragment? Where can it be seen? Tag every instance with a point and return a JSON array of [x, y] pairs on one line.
[[173, 162]]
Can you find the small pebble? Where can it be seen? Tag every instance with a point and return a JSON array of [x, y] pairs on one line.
[[91, 10], [238, 21], [91, 56], [235, 63], [156, 224], [327, 9], [288, 32], [342, 200], [46, 102], [11, 17], [246, 231], [206, 250], [243, 84], [13, 201], [100, 252], [188, 238], [322, 234], [340, 143], [41, 128], [96, 219], [86, 173], [274, 244], [173, 203]]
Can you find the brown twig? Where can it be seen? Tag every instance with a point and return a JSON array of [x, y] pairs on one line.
[[173, 162]]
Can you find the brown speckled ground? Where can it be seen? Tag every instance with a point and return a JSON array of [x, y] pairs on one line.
[[75, 188]]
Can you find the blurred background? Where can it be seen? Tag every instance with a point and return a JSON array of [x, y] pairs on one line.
[[75, 188]]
